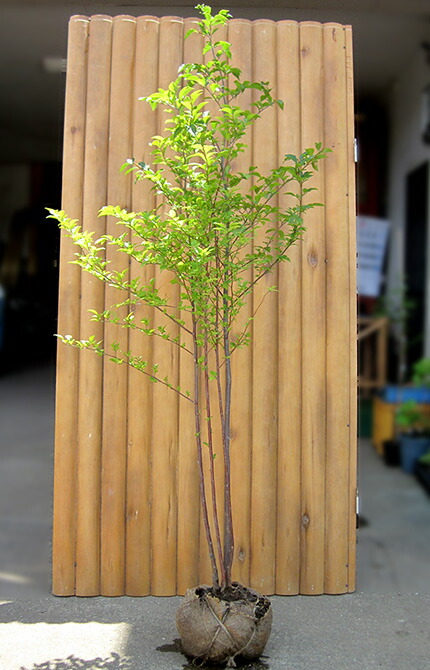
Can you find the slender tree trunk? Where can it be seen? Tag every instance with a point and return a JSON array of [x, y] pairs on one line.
[[228, 518], [203, 499], [212, 464]]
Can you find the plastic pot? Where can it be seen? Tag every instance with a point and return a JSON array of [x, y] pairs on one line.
[[411, 448]]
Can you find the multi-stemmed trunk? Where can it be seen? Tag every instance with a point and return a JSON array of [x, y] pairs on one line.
[[221, 550]]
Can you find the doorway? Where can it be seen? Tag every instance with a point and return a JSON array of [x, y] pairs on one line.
[[417, 194]]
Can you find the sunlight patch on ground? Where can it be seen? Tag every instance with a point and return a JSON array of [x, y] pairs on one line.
[[25, 645], [14, 579]]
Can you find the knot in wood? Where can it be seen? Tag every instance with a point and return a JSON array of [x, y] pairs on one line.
[[312, 259], [305, 520], [241, 555]]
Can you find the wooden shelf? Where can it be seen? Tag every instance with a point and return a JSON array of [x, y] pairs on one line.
[[372, 338]]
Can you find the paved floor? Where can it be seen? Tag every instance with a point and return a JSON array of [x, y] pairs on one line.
[[362, 631], [355, 632], [394, 541], [26, 466]]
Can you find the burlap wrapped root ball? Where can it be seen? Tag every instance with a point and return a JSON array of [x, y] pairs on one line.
[[217, 630]]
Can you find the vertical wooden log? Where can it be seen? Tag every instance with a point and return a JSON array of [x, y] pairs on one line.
[[188, 483], [313, 325], [92, 297], [265, 345], [115, 377], [138, 521], [165, 407], [353, 383], [290, 334], [64, 528], [338, 321], [240, 37]]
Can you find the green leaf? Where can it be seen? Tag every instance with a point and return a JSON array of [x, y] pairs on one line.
[[191, 31]]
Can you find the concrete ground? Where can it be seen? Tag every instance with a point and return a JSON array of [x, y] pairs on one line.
[[357, 632], [394, 538], [386, 624], [26, 467]]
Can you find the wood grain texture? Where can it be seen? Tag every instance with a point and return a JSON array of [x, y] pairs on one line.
[[165, 403], [241, 38], [139, 423], [92, 297], [264, 344], [188, 483], [289, 333], [115, 377], [338, 322], [314, 399]]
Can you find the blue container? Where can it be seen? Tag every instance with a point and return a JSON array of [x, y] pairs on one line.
[[396, 394], [412, 447]]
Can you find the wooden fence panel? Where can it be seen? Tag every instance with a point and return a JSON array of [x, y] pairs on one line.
[[126, 509]]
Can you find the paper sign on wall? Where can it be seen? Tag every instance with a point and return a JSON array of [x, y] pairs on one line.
[[372, 236]]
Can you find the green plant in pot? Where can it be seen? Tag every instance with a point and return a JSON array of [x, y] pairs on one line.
[[215, 236], [422, 470], [398, 307], [412, 423]]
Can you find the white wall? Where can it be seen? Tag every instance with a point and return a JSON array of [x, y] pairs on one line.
[[407, 151]]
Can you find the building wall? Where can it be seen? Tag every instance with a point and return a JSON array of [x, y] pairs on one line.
[[407, 152]]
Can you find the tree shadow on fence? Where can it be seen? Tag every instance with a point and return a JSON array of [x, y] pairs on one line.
[[112, 662]]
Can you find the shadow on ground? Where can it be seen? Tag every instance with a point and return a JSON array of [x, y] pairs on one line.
[[113, 662], [176, 647]]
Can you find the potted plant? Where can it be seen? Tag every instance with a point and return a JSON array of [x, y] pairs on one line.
[[214, 226], [411, 419], [422, 470], [406, 398], [397, 307]]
